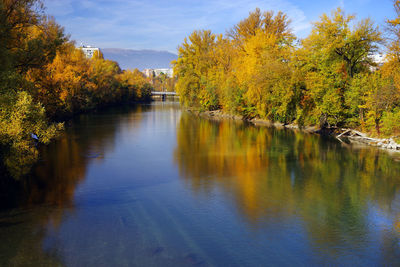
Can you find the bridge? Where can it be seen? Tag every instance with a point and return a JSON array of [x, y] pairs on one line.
[[163, 95]]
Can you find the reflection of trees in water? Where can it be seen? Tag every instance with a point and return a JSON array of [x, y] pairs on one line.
[[44, 197], [277, 174]]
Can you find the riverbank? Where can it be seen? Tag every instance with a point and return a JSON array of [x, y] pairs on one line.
[[342, 134]]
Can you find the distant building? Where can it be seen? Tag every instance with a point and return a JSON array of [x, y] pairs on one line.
[[379, 60], [89, 50], [157, 72], [148, 72]]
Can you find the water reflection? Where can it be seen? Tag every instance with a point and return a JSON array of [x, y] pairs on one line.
[[35, 207], [342, 197], [147, 186]]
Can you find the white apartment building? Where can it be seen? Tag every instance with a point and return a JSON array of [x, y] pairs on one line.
[[157, 72], [89, 50]]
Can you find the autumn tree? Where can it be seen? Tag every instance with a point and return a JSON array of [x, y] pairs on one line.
[[195, 59], [43, 77], [328, 79], [163, 82], [134, 85], [22, 124], [335, 51], [391, 72], [267, 22], [262, 64], [24, 34]]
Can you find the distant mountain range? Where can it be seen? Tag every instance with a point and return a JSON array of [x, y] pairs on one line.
[[141, 59]]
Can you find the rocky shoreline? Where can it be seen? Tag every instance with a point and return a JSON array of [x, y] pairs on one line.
[[342, 134]]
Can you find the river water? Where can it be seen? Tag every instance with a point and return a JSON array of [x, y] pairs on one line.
[[152, 185]]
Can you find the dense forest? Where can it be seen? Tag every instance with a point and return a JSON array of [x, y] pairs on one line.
[[331, 78], [44, 79]]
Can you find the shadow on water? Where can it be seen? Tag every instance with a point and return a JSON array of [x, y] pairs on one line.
[[342, 196], [32, 206]]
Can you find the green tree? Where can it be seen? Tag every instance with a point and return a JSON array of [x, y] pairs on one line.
[[29, 40], [333, 53], [195, 59]]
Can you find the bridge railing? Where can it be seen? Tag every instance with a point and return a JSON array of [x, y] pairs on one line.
[[163, 93]]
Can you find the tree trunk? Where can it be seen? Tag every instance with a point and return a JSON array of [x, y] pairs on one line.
[[377, 126]]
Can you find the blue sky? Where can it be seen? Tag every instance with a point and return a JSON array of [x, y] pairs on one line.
[[162, 25]]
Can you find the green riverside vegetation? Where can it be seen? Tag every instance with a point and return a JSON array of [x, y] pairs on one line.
[[259, 69], [45, 78]]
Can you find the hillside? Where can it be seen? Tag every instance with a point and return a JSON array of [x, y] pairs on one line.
[[141, 59]]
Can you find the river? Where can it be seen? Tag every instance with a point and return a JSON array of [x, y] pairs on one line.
[[152, 185]]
